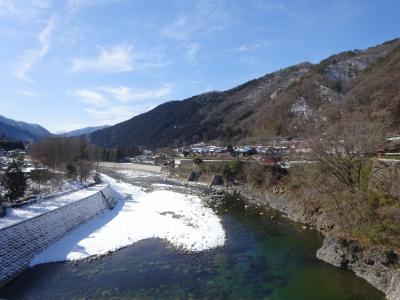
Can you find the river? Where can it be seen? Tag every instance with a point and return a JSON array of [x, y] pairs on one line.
[[265, 257]]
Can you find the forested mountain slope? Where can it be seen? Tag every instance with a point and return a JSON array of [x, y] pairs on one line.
[[21, 130], [296, 101]]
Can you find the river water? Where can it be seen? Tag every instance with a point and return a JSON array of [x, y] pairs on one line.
[[265, 257]]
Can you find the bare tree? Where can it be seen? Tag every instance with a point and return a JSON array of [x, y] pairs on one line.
[[73, 155], [344, 152]]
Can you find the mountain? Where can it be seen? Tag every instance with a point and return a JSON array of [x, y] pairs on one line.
[[83, 131], [22, 131], [296, 101]]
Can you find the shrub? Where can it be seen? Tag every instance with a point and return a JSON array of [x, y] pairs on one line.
[[232, 169], [197, 161]]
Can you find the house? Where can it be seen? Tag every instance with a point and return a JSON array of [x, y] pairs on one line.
[[247, 150], [16, 153], [197, 150], [395, 138]]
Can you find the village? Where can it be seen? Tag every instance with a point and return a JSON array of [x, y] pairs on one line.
[[278, 152], [282, 152]]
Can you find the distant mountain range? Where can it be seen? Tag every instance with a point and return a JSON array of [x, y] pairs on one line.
[[21, 130], [296, 101], [83, 131]]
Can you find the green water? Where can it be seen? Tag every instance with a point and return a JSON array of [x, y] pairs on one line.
[[263, 258]]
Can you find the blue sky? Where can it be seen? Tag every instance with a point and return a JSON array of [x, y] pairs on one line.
[[72, 64]]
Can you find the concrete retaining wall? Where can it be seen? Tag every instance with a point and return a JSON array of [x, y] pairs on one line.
[[187, 163], [19, 243]]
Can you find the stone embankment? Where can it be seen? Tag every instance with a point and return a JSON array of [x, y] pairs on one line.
[[379, 267], [22, 239]]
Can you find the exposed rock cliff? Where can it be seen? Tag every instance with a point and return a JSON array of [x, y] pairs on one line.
[[377, 266]]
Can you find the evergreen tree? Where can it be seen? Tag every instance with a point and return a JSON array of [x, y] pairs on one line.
[[14, 180], [83, 151], [71, 170], [231, 150], [113, 155]]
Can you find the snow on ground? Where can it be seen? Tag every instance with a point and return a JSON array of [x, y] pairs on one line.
[[16, 215], [177, 218], [135, 174], [54, 187]]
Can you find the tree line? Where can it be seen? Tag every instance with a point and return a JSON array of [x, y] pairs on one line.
[[73, 156], [56, 158], [8, 145]]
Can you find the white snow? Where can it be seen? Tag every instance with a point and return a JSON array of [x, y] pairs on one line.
[[180, 219], [16, 215], [56, 187], [135, 173]]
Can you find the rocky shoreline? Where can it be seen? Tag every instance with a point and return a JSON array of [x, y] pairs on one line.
[[378, 266]]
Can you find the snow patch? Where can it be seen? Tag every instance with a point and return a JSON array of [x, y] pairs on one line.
[[180, 219], [135, 173]]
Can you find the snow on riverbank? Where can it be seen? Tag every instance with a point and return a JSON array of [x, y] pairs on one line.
[[135, 174], [42, 206], [180, 219]]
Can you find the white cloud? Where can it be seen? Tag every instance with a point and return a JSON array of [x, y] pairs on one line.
[[125, 94], [74, 5], [24, 10], [208, 17], [106, 95], [178, 29], [215, 13], [90, 97], [111, 102], [32, 56], [251, 47], [120, 58], [7, 7], [115, 59], [29, 93], [243, 48], [192, 50], [112, 115]]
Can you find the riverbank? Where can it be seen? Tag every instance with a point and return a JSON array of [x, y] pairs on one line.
[[377, 266], [264, 254]]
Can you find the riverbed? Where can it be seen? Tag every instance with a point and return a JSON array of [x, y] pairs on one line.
[[263, 256]]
